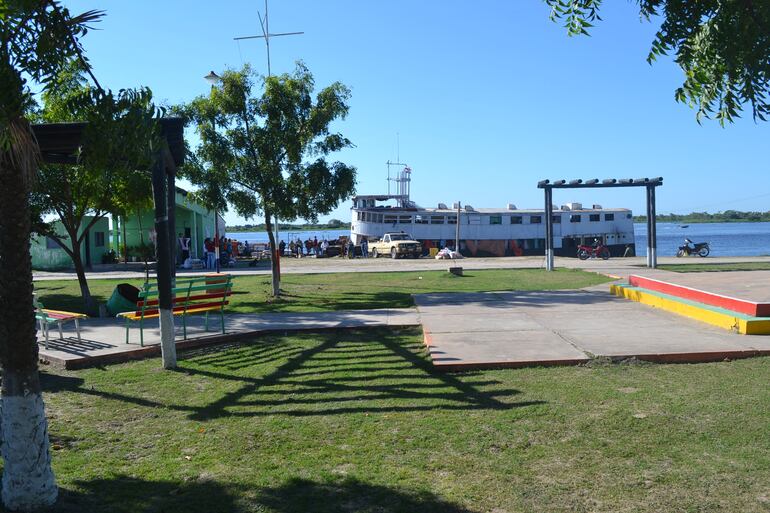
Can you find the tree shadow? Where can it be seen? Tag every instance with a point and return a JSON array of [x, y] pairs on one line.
[[124, 494], [342, 375], [299, 495]]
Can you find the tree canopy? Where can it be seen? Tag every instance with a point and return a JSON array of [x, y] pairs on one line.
[[722, 46], [265, 154]]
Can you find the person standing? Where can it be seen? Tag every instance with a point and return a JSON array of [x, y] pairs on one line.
[[365, 248], [324, 247], [208, 244], [184, 246]]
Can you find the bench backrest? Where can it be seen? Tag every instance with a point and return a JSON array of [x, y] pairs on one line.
[[188, 293]]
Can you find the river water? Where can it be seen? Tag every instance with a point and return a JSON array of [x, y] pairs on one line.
[[725, 239]]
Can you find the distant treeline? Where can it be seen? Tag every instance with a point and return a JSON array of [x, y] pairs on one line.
[[333, 224], [728, 216]]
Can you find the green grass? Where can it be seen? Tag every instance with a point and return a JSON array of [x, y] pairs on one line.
[[699, 268], [342, 291], [359, 421]]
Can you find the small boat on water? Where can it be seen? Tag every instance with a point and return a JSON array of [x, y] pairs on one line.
[[684, 226]]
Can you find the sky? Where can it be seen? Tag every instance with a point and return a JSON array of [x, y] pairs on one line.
[[481, 99]]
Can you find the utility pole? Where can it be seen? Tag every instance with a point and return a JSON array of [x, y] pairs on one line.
[[457, 229], [264, 24]]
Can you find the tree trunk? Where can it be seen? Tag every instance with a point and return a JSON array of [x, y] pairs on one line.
[[28, 482], [125, 243], [88, 301], [273, 256]]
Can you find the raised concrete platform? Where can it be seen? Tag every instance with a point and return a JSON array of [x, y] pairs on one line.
[[746, 292], [103, 340], [716, 316], [514, 329]]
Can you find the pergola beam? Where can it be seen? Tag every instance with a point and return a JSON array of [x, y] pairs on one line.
[[649, 183]]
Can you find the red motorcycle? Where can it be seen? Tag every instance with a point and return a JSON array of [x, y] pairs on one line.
[[597, 250]]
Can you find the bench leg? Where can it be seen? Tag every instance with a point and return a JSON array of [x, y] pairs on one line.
[[141, 333], [77, 328], [184, 327], [207, 321], [61, 333], [127, 326], [223, 322], [45, 331]]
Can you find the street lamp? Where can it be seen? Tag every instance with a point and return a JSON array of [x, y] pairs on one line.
[[214, 79]]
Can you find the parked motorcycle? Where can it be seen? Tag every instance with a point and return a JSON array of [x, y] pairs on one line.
[[597, 250], [698, 248]]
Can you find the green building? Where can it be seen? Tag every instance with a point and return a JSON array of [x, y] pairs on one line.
[[47, 255], [138, 232], [191, 219]]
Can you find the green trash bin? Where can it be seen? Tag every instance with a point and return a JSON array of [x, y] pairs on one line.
[[123, 299]]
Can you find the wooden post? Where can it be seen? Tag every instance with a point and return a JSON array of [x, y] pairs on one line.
[[168, 348], [548, 229]]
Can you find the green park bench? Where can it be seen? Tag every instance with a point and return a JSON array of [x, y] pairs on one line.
[[190, 296]]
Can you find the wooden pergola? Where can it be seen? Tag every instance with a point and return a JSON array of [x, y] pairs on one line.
[[610, 183], [61, 143]]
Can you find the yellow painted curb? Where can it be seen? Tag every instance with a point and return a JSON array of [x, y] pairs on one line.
[[722, 319]]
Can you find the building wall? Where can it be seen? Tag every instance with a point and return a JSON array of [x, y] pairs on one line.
[[47, 255], [190, 219]]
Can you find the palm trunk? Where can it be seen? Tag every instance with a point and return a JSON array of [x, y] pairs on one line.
[[28, 481], [273, 256]]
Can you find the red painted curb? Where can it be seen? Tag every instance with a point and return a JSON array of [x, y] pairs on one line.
[[708, 298]]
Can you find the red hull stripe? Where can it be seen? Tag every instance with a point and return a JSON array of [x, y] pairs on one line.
[[708, 298]]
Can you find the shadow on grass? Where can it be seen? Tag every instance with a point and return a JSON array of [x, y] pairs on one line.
[[128, 494], [334, 373]]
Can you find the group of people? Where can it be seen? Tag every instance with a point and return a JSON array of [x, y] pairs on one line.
[[309, 247], [228, 250]]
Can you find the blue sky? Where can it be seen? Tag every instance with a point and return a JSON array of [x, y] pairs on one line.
[[485, 98]]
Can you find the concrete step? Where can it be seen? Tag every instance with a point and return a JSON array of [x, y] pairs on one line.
[[734, 304], [715, 315]]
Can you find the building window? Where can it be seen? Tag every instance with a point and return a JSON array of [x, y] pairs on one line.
[[556, 219], [535, 219], [609, 217], [495, 219], [436, 219], [51, 244], [418, 219], [99, 239], [516, 219], [574, 218], [594, 218], [628, 216]]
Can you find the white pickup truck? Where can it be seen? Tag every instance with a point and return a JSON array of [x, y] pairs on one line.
[[396, 244]]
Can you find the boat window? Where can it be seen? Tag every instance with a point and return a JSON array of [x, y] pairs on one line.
[[436, 219], [574, 218], [609, 217], [628, 216], [535, 219], [495, 219], [516, 219], [391, 219], [451, 220], [418, 219], [556, 219], [594, 218], [405, 219], [379, 218]]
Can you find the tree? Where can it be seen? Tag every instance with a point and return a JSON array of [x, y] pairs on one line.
[[106, 178], [266, 154], [723, 47], [36, 39]]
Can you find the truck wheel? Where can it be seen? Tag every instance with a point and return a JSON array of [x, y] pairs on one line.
[[374, 253], [393, 253]]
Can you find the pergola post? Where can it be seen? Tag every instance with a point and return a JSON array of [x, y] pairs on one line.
[[649, 225], [653, 233], [548, 228], [160, 198]]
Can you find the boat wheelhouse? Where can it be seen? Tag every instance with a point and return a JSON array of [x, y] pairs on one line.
[[509, 231]]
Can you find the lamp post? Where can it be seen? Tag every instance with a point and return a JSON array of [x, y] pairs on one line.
[[214, 79]]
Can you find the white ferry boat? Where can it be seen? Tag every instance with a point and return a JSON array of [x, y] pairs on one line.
[[509, 231]]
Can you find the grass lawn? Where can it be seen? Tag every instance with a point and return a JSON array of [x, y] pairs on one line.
[[359, 421], [706, 267], [342, 291]]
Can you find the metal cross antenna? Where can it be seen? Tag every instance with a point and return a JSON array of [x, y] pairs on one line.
[[266, 35]]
